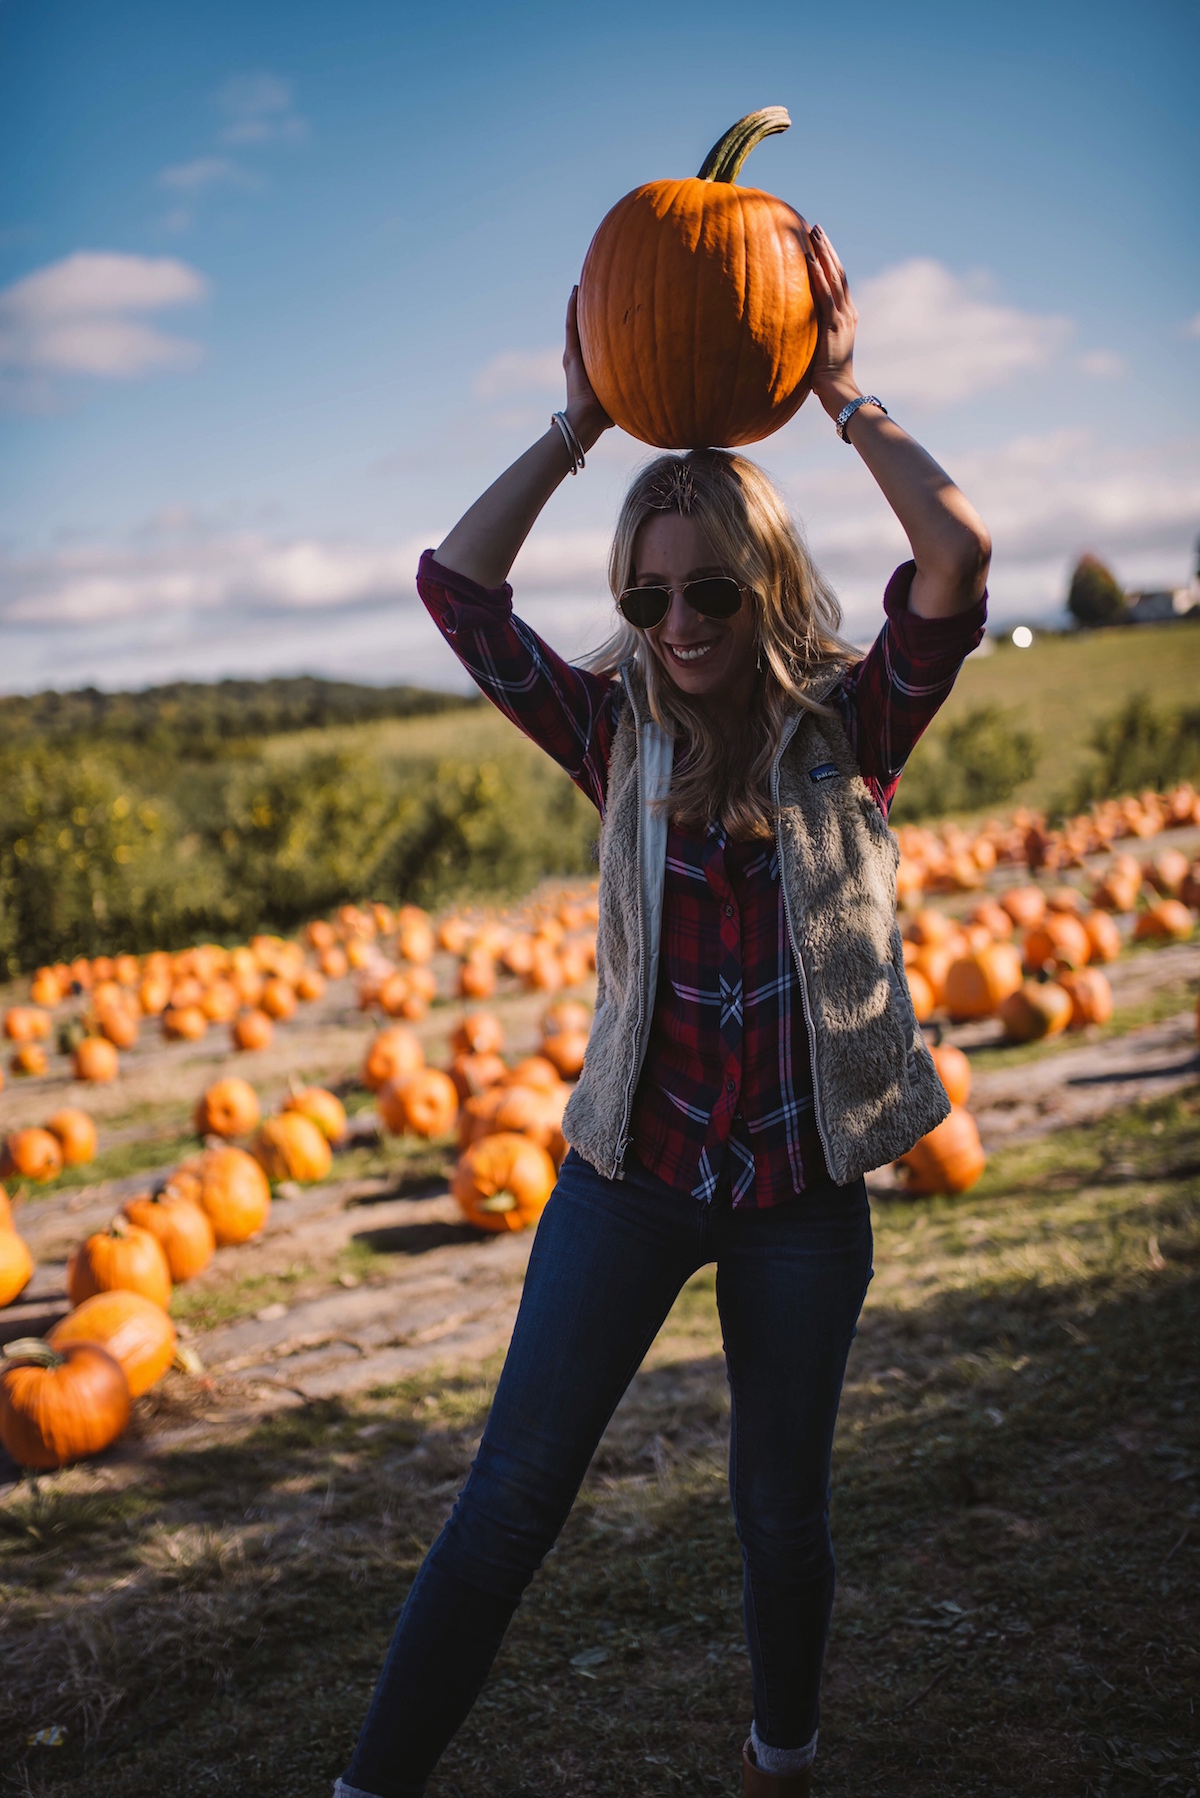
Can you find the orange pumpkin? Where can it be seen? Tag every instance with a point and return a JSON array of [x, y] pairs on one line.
[[695, 314], [394, 1053], [184, 1023], [123, 1256], [220, 1002], [333, 963], [1104, 938], [116, 1021], [527, 1111], [23, 1023], [517, 954], [234, 1193], [477, 977], [949, 1159], [478, 1033], [1060, 940], [1169, 921], [424, 1103], [322, 1108], [566, 1015], [57, 1406], [279, 998], [252, 1029], [16, 1265], [565, 1051], [136, 1332], [181, 1227], [45, 988], [1091, 997], [976, 984], [473, 1074], [76, 1135], [415, 939], [154, 995], [229, 1107], [928, 927], [393, 994], [1035, 1010], [1066, 899], [292, 1148], [310, 985], [1167, 872], [320, 934], [32, 1155], [954, 1072], [994, 919], [30, 1058], [1026, 906], [502, 1182], [921, 994], [534, 1071]]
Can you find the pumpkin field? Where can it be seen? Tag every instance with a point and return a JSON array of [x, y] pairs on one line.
[[269, 1195]]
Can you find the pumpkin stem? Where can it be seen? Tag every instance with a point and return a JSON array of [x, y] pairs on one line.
[[499, 1201], [32, 1348], [724, 161]]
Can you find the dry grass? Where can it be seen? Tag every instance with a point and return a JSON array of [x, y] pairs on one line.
[[1015, 1510]]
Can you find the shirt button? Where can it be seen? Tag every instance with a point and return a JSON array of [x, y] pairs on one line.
[[731, 1086], [729, 911]]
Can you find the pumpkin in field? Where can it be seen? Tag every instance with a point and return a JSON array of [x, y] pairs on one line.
[[1091, 997], [252, 1029], [415, 939], [994, 919], [32, 1155], [934, 961], [184, 1023], [954, 1072], [117, 1022], [502, 1182], [23, 1023], [228, 1107], [16, 1265], [696, 318], [949, 1159], [565, 1051], [45, 988], [976, 984], [137, 1333], [1169, 921], [477, 977], [95, 1060], [279, 998], [221, 1002], [534, 1071], [566, 1015], [1026, 906], [154, 995], [322, 1108], [524, 1110], [1119, 889], [473, 1074], [310, 985], [123, 1256], [29, 1058], [1104, 939], [1060, 940], [59, 1405], [1167, 872], [395, 1052], [928, 927], [921, 994], [291, 1147], [1036, 1009], [1066, 899], [76, 1135], [332, 962], [182, 1229], [478, 1033], [424, 1103], [393, 994], [231, 1189]]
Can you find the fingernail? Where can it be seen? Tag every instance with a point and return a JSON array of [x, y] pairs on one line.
[[817, 231]]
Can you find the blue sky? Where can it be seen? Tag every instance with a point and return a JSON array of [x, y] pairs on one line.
[[281, 288]]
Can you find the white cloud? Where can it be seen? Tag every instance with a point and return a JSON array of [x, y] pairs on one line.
[[259, 110], [930, 337], [517, 372], [1105, 365], [204, 172], [79, 316]]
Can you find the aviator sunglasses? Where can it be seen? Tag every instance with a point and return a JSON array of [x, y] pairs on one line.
[[717, 596]]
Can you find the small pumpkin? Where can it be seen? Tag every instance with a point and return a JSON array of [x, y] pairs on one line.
[[45, 988], [23, 1023], [393, 994], [16, 1265], [32, 1154], [534, 1071], [502, 1182], [994, 919], [332, 962], [310, 985], [116, 1021], [473, 1074], [229, 1107], [395, 1052], [415, 940], [221, 1002], [184, 1023], [1169, 921], [478, 1033], [279, 998], [136, 1332], [1167, 872], [1060, 940], [252, 1029], [477, 977], [1104, 938], [954, 1072], [566, 1015], [1091, 997], [565, 1051], [291, 1147], [1068, 900], [322, 1108], [976, 984], [921, 994], [949, 1159], [234, 1192], [95, 1060], [423, 1104], [1025, 905], [1036, 1009], [60, 1405], [181, 1227], [29, 1058], [76, 1134], [154, 995], [123, 1256]]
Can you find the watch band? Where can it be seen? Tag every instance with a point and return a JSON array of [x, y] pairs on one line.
[[847, 412]]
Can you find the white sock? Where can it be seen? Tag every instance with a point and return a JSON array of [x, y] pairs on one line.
[[779, 1761], [342, 1790]]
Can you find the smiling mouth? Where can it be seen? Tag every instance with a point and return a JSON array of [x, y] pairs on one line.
[[691, 652]]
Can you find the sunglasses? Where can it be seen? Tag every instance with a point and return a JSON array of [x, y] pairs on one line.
[[718, 596]]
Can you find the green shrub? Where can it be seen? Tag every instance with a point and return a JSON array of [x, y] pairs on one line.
[[977, 759], [1096, 596], [1139, 746]]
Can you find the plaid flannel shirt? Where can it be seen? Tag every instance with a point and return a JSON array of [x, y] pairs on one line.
[[726, 1086]]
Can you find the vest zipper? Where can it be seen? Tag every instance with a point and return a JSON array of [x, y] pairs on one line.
[[796, 955], [643, 958]]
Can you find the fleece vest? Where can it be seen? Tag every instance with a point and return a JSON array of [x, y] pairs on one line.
[[875, 1088]]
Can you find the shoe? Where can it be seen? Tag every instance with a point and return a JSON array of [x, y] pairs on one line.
[[757, 1784]]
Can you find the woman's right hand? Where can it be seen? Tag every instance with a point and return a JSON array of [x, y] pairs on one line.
[[586, 415]]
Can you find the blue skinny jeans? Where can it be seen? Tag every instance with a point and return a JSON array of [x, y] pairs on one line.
[[608, 1261]]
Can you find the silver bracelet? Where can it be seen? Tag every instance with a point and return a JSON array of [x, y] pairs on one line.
[[847, 412], [574, 447]]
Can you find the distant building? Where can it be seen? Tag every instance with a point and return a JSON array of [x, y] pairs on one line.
[[1157, 605]]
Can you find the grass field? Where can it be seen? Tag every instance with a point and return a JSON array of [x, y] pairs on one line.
[[1016, 1514]]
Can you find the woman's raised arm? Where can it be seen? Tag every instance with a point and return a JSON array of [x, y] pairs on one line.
[[483, 544], [950, 543]]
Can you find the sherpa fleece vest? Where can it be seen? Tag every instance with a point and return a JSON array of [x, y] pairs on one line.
[[875, 1087]]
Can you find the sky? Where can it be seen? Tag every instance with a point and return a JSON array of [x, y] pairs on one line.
[[282, 290]]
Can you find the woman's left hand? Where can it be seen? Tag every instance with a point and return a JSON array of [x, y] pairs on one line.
[[837, 320]]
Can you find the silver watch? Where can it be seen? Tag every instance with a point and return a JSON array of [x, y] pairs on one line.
[[847, 412]]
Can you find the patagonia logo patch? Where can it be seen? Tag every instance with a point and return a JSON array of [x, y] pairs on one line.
[[826, 771]]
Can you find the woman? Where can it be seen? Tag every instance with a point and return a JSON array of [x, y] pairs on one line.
[[754, 1050]]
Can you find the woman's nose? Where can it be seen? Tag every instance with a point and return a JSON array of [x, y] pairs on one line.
[[680, 616]]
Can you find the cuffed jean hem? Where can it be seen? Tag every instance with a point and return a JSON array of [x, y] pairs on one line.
[[342, 1790], [779, 1761]]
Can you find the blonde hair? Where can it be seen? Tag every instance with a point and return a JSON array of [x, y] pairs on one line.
[[722, 773]]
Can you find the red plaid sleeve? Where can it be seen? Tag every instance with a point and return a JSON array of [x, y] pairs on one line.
[[893, 694], [566, 711]]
